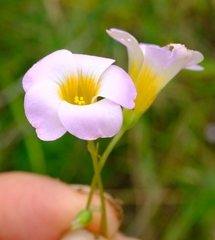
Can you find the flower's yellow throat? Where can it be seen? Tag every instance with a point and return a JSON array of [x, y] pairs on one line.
[[81, 91]]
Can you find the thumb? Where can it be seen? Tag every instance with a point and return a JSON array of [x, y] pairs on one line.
[[85, 235], [39, 207]]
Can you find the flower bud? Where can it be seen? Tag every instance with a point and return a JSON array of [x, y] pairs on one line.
[[82, 219]]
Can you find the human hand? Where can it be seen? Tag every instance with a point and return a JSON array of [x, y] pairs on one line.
[[35, 207]]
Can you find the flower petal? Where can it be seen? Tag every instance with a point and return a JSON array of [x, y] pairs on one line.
[[116, 85], [135, 54], [89, 122], [195, 68], [91, 66], [41, 105], [195, 56], [160, 65], [166, 63], [56, 67], [152, 69]]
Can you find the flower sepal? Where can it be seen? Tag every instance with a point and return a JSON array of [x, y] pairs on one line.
[[130, 118]]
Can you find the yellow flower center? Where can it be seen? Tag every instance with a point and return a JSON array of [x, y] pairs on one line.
[[79, 91]]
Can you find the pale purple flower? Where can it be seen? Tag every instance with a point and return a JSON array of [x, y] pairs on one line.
[[77, 93], [151, 67]]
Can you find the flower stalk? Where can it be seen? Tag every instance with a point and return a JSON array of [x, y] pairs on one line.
[[94, 155], [84, 95], [102, 161]]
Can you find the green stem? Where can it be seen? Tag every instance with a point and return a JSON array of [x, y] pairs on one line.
[[110, 147], [93, 151], [103, 159], [92, 189]]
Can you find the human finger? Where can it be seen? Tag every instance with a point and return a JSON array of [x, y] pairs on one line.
[[39, 207]]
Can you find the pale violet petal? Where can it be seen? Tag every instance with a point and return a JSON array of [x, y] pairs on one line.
[[116, 85], [160, 65], [125, 38], [135, 55], [101, 119], [166, 62], [195, 68], [91, 67], [41, 108], [57, 66], [195, 57], [156, 57], [181, 58]]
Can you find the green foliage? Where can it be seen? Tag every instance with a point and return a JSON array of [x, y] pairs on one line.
[[164, 168]]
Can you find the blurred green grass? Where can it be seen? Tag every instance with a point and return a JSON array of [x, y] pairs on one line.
[[164, 168]]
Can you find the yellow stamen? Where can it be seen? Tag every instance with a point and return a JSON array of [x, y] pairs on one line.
[[79, 100]]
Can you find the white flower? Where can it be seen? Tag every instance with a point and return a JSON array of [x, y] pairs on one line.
[[151, 67], [77, 93]]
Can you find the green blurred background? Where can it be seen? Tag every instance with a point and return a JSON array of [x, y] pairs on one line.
[[164, 168]]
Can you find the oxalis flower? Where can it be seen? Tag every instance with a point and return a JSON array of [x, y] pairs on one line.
[[151, 67], [77, 93]]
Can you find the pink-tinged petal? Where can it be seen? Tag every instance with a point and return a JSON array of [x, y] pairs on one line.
[[41, 108], [91, 67], [152, 69], [156, 57], [195, 68], [89, 122], [135, 54], [160, 65], [195, 56], [57, 67], [116, 85], [166, 62]]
